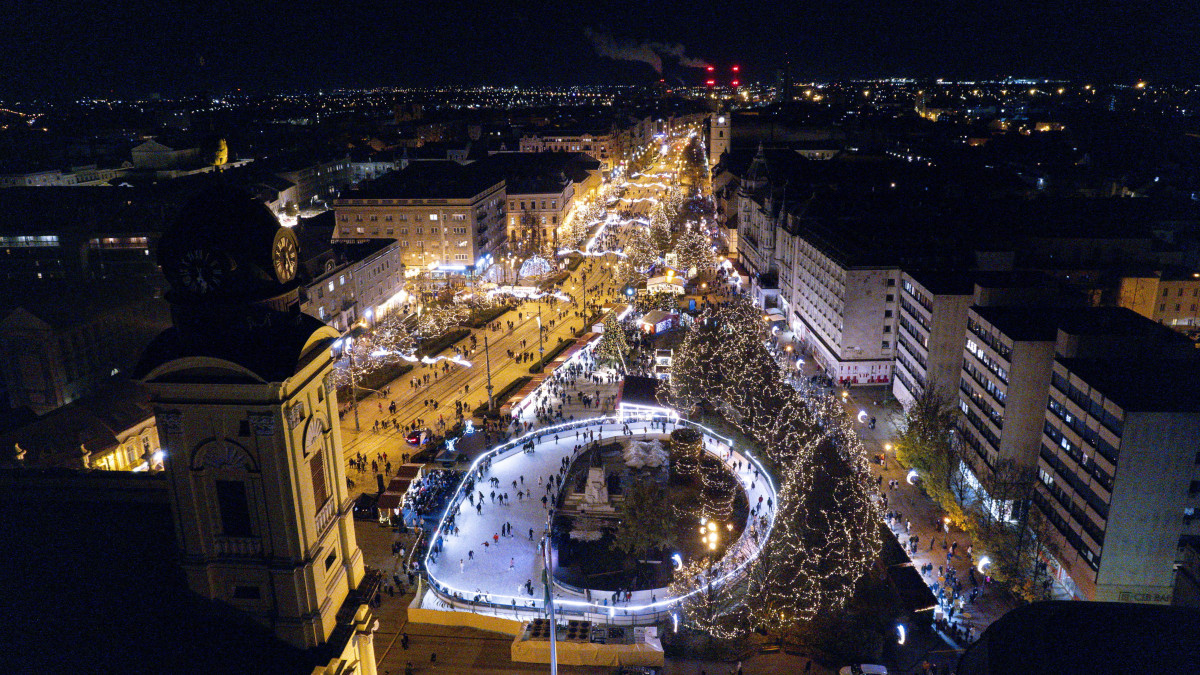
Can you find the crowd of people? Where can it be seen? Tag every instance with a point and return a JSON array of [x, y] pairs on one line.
[[428, 494]]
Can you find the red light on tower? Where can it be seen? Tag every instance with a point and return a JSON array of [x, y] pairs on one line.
[[710, 69], [735, 69], [710, 82], [734, 83]]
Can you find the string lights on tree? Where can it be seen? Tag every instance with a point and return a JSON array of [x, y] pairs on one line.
[[714, 608], [613, 344], [694, 252], [687, 446], [826, 532]]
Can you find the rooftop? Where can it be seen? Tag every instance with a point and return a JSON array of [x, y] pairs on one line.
[[1143, 384], [1041, 324], [429, 180], [1086, 637]]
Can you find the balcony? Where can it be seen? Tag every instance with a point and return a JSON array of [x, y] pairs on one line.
[[238, 547], [326, 515]]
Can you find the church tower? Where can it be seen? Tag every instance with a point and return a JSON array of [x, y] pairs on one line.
[[248, 418], [718, 136]]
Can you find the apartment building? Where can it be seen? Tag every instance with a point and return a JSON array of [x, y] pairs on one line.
[[89, 175], [933, 320], [57, 352], [447, 217], [600, 144], [842, 307], [1170, 297], [1118, 477], [542, 189], [1006, 371], [353, 281], [537, 209]]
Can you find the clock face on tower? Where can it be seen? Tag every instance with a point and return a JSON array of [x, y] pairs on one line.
[[202, 270], [285, 255]]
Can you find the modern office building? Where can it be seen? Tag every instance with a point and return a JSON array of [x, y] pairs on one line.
[[1118, 476]]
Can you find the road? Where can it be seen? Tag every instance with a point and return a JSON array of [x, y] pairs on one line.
[[455, 383]]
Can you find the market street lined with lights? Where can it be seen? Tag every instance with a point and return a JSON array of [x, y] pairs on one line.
[[468, 384]]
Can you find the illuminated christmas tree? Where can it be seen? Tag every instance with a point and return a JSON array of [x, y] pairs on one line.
[[613, 345]]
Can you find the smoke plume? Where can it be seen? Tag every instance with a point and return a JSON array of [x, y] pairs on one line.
[[647, 52]]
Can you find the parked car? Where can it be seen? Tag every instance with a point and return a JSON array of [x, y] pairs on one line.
[[417, 438]]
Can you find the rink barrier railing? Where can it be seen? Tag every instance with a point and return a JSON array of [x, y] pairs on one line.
[[527, 607]]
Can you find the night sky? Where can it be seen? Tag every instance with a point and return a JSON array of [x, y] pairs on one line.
[[82, 47]]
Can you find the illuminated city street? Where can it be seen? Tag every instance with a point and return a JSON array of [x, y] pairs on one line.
[[594, 339]]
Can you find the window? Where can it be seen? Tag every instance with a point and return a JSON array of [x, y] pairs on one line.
[[434, 230], [433, 217], [341, 280], [330, 286], [887, 329], [330, 560], [890, 298], [234, 507], [247, 593], [887, 313], [320, 491], [886, 344], [891, 282]]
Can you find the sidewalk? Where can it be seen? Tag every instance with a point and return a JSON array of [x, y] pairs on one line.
[[919, 516]]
